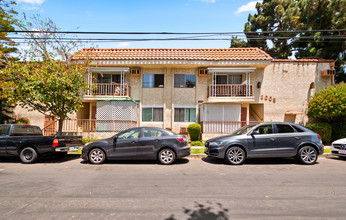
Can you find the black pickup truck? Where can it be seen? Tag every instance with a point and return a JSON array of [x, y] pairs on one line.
[[28, 142]]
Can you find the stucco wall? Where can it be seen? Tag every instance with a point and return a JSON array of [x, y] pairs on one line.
[[285, 86]]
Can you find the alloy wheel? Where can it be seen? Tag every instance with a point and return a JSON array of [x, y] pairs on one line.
[[97, 156], [166, 156], [235, 155], [308, 155]]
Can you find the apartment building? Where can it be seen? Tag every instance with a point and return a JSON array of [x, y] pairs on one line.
[[222, 89]]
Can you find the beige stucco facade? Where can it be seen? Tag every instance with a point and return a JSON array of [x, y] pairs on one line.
[[281, 90]]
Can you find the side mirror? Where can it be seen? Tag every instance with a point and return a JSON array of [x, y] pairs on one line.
[[254, 132]]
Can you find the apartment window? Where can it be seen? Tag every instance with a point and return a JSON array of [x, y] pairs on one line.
[[228, 79], [184, 114], [184, 80], [108, 78], [152, 114], [153, 80]]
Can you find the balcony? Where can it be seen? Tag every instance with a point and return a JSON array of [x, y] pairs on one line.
[[90, 125], [109, 89], [230, 93]]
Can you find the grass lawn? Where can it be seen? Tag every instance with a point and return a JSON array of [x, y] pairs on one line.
[[197, 151], [327, 151]]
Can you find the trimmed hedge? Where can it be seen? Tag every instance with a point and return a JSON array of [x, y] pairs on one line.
[[323, 129], [339, 130], [194, 131]]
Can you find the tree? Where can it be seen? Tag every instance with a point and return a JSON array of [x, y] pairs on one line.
[[45, 81], [273, 15], [7, 46], [7, 20], [279, 28]]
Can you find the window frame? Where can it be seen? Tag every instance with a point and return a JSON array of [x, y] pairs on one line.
[[184, 116], [153, 83], [152, 114], [185, 81]]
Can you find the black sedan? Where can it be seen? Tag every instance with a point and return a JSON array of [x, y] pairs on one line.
[[267, 140], [146, 143]]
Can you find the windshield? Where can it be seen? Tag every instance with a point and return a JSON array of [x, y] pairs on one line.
[[243, 130]]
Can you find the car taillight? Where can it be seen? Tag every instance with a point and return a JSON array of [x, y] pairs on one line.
[[319, 137], [55, 142], [181, 139]]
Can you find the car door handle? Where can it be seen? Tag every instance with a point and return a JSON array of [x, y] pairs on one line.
[[157, 140], [133, 142], [272, 139], [297, 138]]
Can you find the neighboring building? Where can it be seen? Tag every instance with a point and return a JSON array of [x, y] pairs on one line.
[[222, 89]]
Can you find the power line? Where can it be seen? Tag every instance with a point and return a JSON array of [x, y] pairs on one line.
[[168, 33]]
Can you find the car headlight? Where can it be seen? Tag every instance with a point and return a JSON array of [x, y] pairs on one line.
[[215, 143]]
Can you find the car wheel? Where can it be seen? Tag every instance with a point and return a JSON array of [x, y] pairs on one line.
[[166, 156], [307, 155], [97, 156], [235, 156], [28, 155]]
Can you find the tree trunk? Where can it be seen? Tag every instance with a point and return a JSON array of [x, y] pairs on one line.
[[61, 122]]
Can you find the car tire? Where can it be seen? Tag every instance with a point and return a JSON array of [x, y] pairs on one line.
[[235, 156], [28, 155], [307, 155], [166, 156], [97, 156]]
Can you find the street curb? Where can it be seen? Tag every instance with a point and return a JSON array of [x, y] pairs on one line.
[[204, 155]]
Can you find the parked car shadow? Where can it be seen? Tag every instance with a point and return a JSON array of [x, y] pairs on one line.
[[46, 159], [255, 161], [332, 157], [141, 162]]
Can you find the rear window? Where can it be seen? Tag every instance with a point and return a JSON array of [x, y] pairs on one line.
[[3, 130], [298, 129], [26, 130]]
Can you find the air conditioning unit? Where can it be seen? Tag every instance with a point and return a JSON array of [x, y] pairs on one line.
[[326, 73], [202, 71], [135, 71]]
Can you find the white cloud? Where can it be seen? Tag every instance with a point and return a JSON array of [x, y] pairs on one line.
[[30, 8], [123, 44], [33, 2], [209, 1], [251, 6]]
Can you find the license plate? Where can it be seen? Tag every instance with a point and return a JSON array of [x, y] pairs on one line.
[[342, 151], [73, 149]]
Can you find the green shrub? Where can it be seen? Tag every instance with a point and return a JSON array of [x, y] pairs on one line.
[[339, 130], [194, 131], [328, 105], [196, 143], [22, 121], [87, 140], [323, 129]]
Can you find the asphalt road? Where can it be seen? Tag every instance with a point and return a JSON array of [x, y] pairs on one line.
[[191, 189]]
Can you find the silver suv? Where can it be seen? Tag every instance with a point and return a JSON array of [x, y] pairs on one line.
[[274, 139]]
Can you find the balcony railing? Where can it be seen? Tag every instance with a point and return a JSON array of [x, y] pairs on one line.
[[224, 127], [90, 125], [230, 90], [109, 89]]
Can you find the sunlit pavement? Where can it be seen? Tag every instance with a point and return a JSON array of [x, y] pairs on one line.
[[206, 188]]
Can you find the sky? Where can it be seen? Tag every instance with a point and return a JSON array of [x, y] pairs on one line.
[[144, 16]]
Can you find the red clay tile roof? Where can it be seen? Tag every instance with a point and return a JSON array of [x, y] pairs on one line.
[[173, 54], [304, 60]]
